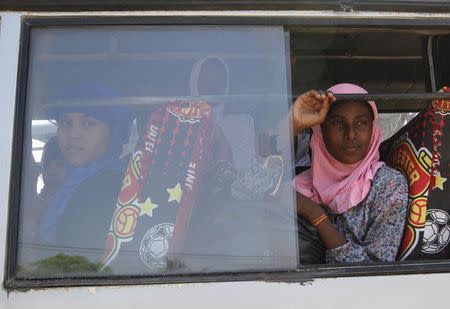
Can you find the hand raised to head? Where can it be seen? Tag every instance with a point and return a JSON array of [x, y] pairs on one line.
[[310, 109]]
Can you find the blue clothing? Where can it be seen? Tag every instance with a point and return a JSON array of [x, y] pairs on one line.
[[58, 203]]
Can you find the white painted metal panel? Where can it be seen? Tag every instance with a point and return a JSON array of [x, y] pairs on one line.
[[9, 53], [414, 291]]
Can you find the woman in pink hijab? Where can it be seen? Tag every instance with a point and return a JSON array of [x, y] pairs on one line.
[[355, 202]]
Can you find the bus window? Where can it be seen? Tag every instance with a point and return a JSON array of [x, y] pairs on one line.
[[151, 151], [152, 136], [370, 58]]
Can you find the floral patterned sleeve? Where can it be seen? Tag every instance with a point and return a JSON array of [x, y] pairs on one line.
[[374, 228]]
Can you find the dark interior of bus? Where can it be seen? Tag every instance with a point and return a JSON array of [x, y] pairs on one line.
[[381, 61]]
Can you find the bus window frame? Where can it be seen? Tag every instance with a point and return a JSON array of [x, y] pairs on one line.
[[303, 273], [332, 5]]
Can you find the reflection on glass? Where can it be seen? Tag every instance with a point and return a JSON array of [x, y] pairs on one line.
[[163, 151]]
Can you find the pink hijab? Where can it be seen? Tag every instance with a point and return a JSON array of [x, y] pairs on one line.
[[334, 184]]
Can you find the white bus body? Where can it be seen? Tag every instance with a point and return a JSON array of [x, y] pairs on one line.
[[419, 288]]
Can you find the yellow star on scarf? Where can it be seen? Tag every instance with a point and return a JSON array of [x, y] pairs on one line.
[[439, 181], [147, 208], [175, 193]]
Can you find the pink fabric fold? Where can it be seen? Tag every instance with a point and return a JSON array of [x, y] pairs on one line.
[[331, 183]]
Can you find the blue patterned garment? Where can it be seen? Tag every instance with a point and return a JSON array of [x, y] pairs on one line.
[[374, 228]]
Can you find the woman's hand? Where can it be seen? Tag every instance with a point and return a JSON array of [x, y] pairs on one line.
[[310, 109], [312, 212], [307, 208]]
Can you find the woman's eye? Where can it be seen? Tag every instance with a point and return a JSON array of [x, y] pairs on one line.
[[361, 123], [337, 123], [88, 123]]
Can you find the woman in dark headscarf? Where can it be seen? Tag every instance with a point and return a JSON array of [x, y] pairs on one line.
[[90, 139]]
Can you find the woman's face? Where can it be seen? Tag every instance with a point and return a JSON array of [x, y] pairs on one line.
[[82, 138], [212, 78], [347, 131]]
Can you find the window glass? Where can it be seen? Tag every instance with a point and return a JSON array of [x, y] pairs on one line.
[[155, 150]]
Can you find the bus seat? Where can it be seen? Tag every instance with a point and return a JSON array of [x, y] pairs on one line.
[[160, 188], [421, 150]]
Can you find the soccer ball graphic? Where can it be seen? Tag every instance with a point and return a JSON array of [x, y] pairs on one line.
[[155, 245], [436, 231]]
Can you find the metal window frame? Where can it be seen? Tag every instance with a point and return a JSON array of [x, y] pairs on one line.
[[336, 5], [303, 273]]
